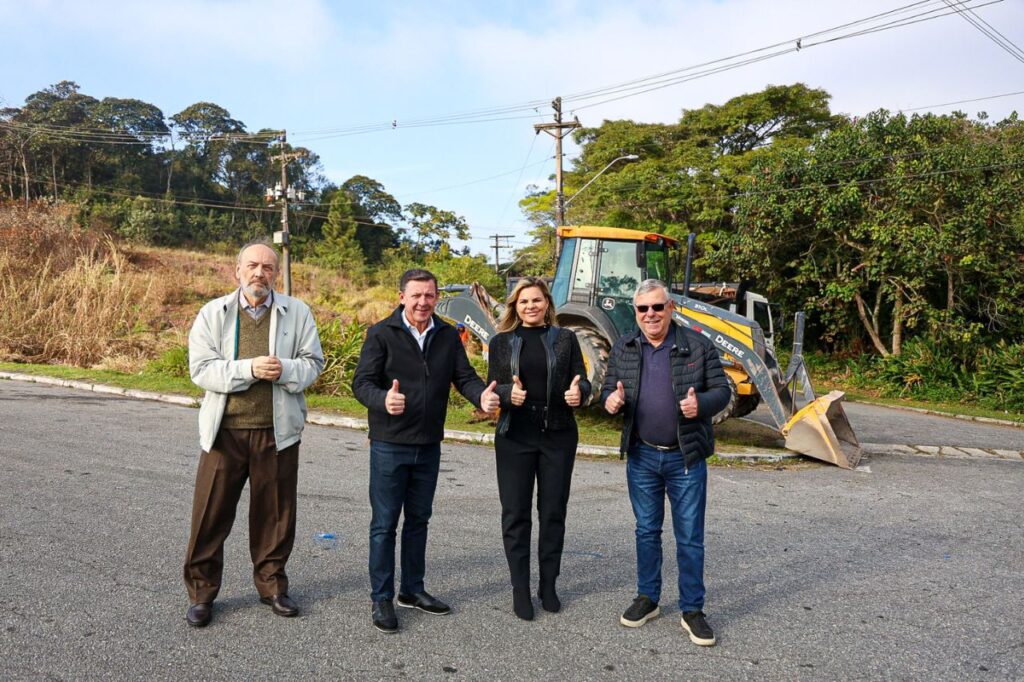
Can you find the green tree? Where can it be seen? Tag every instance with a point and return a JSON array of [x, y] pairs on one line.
[[429, 227], [538, 258], [134, 167], [339, 247], [889, 226], [49, 146], [688, 172], [210, 133], [377, 214]]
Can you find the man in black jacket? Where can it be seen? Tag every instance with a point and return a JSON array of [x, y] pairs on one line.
[[670, 382], [406, 368]]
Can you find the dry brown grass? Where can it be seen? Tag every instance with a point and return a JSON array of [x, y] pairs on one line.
[[79, 297], [67, 295]]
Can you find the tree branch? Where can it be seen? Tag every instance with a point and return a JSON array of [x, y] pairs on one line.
[[863, 313]]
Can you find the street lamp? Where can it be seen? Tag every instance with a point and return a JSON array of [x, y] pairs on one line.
[[627, 157], [565, 204]]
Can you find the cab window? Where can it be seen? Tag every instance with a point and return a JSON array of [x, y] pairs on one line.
[[657, 262]]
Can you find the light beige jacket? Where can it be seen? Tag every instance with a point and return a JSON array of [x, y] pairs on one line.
[[212, 364]]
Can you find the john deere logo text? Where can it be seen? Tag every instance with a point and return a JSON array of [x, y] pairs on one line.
[[476, 328], [721, 341]]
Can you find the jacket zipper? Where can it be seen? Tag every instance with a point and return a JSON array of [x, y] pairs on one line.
[[549, 355]]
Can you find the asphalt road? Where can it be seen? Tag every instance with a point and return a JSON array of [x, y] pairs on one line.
[[883, 425], [907, 569]]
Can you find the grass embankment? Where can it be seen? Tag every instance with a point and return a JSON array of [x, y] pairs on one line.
[[596, 428], [836, 375], [78, 305]]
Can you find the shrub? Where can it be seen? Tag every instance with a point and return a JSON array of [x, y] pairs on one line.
[[991, 376], [171, 363], [341, 344]]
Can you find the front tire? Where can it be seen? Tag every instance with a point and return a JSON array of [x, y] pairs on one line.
[[595, 357]]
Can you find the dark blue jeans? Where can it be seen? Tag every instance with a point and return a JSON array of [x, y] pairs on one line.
[[402, 482], [651, 474]]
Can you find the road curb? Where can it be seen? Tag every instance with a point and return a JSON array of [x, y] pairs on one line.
[[942, 451], [353, 423], [936, 413]]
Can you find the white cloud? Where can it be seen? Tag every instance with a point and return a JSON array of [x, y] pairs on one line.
[[195, 32], [926, 63]]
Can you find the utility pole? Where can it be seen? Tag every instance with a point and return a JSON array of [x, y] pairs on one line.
[[558, 130], [498, 246], [282, 192]]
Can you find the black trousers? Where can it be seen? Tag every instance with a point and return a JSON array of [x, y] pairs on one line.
[[522, 458]]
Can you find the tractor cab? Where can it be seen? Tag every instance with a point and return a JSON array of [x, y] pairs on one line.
[[601, 267]]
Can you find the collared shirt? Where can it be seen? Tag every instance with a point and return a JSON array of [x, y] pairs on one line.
[[210, 344], [420, 337], [255, 312], [657, 411]]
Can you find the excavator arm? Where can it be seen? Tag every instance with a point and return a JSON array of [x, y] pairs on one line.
[[820, 428]]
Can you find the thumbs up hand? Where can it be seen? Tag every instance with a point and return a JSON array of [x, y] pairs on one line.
[[489, 400], [394, 402], [518, 392], [616, 399], [572, 396], [688, 405]]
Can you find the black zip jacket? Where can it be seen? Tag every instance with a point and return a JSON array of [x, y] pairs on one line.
[[425, 377], [695, 363], [564, 360]]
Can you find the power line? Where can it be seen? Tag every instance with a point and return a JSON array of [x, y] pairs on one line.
[[986, 29], [964, 101], [76, 133], [817, 165], [675, 77], [474, 182], [170, 199], [498, 246], [926, 10]]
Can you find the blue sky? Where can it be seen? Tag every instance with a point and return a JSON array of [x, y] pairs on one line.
[[316, 65]]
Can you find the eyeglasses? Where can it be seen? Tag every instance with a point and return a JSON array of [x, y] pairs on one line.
[[656, 307]]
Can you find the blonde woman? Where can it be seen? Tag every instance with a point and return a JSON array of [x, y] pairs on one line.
[[541, 380]]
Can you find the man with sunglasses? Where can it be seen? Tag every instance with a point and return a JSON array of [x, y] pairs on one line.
[[668, 382]]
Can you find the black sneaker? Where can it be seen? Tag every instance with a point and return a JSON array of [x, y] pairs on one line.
[[424, 602], [700, 632], [639, 612], [382, 613]]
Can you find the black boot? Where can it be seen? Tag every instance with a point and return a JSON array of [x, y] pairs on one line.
[[548, 597], [522, 604]]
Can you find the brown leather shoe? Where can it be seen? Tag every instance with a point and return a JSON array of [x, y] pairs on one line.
[[282, 605], [199, 615]]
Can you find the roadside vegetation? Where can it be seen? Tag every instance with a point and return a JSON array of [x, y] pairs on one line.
[[902, 237]]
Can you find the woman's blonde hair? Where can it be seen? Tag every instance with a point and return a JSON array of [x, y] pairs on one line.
[[510, 316]]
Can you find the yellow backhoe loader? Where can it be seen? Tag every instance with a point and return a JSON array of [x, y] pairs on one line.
[[598, 270]]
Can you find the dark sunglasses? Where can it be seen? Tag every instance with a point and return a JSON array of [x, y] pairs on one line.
[[656, 307]]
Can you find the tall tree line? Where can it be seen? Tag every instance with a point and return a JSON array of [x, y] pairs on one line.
[[885, 227], [199, 177]]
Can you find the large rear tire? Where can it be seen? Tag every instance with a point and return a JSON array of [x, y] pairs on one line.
[[730, 407], [745, 404], [595, 357]]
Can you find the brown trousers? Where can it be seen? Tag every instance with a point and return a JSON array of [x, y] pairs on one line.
[[237, 455]]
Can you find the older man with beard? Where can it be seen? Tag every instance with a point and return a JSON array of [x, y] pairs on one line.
[[254, 351]]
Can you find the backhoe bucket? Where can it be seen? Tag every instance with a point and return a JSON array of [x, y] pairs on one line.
[[821, 430]]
